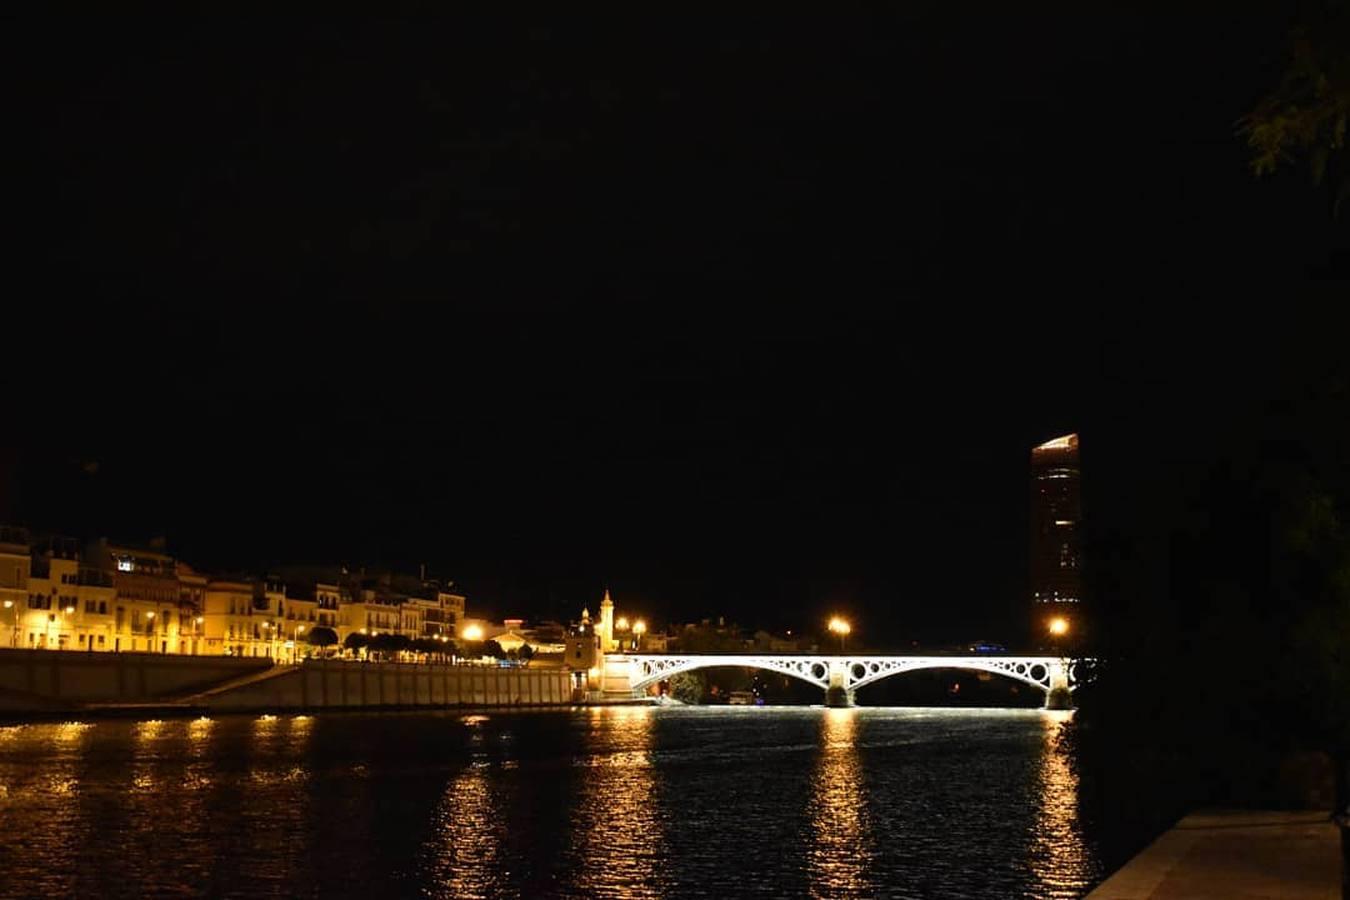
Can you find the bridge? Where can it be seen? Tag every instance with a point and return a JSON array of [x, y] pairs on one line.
[[839, 676]]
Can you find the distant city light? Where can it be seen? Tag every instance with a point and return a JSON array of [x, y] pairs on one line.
[[840, 626], [472, 633], [1059, 626], [622, 624], [639, 627]]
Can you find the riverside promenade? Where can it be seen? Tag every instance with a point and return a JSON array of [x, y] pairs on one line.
[[1230, 855]]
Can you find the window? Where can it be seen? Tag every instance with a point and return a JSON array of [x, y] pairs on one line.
[[102, 610]]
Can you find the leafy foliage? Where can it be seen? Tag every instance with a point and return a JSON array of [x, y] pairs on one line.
[[1307, 114], [322, 636], [688, 687]]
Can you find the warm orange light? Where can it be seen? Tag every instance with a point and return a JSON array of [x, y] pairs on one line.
[[639, 627], [8, 604], [1059, 626], [149, 615], [472, 633], [1064, 442], [622, 624], [840, 626], [201, 619], [70, 610]]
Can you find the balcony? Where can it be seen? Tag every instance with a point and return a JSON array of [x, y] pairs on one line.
[[95, 578]]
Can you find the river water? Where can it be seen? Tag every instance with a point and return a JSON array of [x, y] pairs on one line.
[[601, 802]]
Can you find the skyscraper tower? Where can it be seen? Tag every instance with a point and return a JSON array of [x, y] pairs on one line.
[[1056, 521]]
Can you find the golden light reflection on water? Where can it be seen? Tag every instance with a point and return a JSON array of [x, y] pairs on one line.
[[617, 828], [842, 849], [1060, 861], [199, 734], [147, 762], [467, 828], [70, 733]]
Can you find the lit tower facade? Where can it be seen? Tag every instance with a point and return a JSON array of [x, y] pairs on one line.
[[606, 626], [1056, 522]]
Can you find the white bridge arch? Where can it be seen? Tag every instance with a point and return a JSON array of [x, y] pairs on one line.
[[850, 672]]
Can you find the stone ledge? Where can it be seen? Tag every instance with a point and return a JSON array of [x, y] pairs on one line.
[[1235, 854]]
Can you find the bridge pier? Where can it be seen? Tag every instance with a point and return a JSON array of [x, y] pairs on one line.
[[838, 694], [1058, 695], [838, 697]]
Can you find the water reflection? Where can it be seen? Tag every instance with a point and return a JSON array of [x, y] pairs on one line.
[[841, 850], [617, 831], [1060, 861], [467, 827], [620, 802]]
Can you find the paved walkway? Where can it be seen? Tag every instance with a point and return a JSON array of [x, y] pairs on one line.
[[1277, 855]]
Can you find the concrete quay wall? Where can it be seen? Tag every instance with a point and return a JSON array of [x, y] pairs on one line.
[[332, 684], [55, 679], [52, 681]]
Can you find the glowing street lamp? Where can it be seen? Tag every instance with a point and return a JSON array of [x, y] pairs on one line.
[[840, 627], [639, 629], [295, 642], [14, 638], [622, 624], [472, 633], [1058, 626]]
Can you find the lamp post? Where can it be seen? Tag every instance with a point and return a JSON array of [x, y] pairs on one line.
[[150, 630], [840, 627], [1058, 628], [200, 621], [639, 629], [295, 639], [14, 636]]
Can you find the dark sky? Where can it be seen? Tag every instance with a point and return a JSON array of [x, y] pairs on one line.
[[756, 316]]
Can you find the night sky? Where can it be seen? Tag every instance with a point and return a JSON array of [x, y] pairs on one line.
[[747, 316]]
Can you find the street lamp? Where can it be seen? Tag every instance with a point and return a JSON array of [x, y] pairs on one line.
[[1059, 626], [840, 627], [639, 629], [622, 624], [473, 632], [295, 639], [14, 638]]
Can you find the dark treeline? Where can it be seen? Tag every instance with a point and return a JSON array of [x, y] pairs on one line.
[[1223, 630]]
